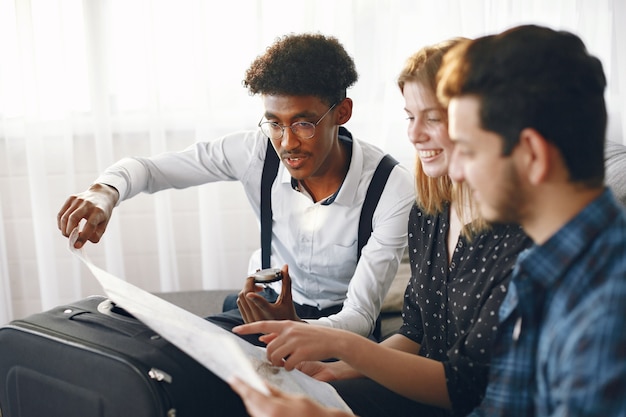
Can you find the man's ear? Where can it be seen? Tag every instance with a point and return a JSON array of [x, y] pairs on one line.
[[535, 156], [344, 111]]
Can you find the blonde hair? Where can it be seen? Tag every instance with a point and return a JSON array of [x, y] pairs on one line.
[[434, 193]]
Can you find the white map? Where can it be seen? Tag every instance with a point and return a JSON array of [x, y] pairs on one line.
[[222, 352]]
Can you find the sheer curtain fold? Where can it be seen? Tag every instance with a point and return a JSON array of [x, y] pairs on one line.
[[6, 303], [618, 70], [84, 83]]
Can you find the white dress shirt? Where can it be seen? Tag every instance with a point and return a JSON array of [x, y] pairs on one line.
[[316, 239]]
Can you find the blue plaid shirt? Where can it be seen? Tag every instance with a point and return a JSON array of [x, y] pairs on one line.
[[561, 344]]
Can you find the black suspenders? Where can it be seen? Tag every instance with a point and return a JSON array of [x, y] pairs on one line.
[[270, 169], [375, 189]]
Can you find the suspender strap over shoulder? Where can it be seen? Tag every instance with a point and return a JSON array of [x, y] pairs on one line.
[[374, 191], [270, 169]]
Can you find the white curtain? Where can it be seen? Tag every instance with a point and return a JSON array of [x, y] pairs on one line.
[[84, 83]]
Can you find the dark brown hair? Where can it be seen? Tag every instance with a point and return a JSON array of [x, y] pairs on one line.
[[535, 77]]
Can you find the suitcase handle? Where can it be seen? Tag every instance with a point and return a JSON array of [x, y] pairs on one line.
[[125, 327], [109, 308]]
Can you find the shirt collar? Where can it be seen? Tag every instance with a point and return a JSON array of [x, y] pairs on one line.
[[346, 193], [547, 263]]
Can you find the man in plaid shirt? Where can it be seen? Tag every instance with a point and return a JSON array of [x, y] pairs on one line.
[[528, 117]]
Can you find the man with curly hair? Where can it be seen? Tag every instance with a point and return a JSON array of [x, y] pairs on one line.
[[316, 196]]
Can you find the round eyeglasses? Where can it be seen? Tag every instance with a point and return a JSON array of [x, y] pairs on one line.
[[303, 130]]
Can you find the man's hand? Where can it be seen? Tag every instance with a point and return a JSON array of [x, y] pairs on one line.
[[279, 403], [95, 205], [254, 307]]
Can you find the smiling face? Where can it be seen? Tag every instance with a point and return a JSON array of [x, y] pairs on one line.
[[427, 130], [477, 159], [313, 158]]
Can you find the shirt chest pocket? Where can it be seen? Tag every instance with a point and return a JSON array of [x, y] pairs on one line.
[[339, 260], [326, 240]]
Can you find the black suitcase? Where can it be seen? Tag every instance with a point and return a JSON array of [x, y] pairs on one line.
[[92, 359]]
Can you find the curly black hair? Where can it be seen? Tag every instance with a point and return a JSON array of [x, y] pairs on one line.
[[303, 65]]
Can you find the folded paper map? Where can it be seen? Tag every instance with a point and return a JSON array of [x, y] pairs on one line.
[[222, 352]]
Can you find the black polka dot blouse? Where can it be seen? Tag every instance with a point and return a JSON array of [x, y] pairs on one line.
[[451, 308]]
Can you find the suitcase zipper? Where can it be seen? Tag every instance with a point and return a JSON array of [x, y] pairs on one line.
[[158, 375]]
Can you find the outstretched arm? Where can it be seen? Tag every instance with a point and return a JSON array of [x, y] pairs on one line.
[[393, 363]]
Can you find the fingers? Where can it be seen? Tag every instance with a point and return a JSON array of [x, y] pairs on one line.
[[322, 371], [276, 404], [62, 218], [268, 326], [285, 293], [253, 307], [244, 390], [254, 400], [93, 229], [267, 338], [246, 308], [284, 345], [66, 218], [95, 206], [249, 286], [70, 217], [284, 353], [282, 348], [297, 342]]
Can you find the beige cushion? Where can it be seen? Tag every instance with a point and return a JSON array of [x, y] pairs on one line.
[[395, 297], [615, 163]]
